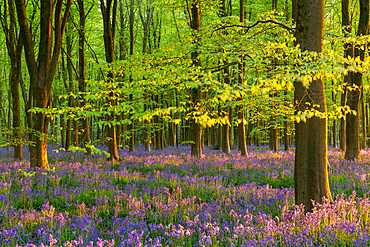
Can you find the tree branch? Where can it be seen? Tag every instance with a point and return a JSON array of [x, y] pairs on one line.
[[286, 27]]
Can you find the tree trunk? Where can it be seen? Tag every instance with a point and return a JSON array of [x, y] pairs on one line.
[[354, 95], [196, 129], [334, 130], [42, 72], [274, 134], [274, 5], [14, 48], [8, 128], [310, 170], [147, 132], [109, 13], [177, 139], [226, 135], [62, 131], [367, 105], [363, 119], [348, 51], [286, 137], [86, 140], [130, 128], [71, 100]]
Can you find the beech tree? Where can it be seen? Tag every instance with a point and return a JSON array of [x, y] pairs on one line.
[[241, 115], [42, 69], [14, 47], [109, 12], [310, 170], [86, 140], [355, 87], [196, 129]]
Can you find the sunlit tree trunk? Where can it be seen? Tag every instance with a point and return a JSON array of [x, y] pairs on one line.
[[310, 171], [42, 69]]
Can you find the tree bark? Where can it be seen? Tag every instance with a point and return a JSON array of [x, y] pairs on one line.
[[71, 131], [354, 95], [348, 51], [86, 140], [130, 127], [109, 13], [196, 129], [363, 120], [310, 170], [226, 135]]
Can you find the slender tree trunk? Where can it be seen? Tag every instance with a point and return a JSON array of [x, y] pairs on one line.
[[363, 119], [310, 170], [86, 140], [226, 135], [334, 131], [177, 126], [131, 145], [15, 77], [367, 105], [130, 127], [274, 5], [348, 51], [196, 129], [62, 130], [71, 101], [109, 13], [147, 132], [286, 136], [69, 121], [14, 47], [8, 128]]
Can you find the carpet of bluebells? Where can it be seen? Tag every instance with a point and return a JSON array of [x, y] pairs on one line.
[[168, 198]]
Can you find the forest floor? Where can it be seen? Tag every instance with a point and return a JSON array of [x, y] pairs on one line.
[[168, 198]]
